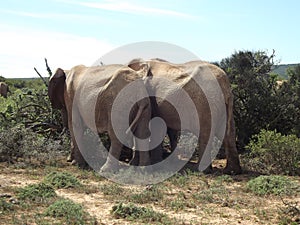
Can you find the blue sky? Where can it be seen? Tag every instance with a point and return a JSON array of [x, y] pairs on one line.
[[71, 32]]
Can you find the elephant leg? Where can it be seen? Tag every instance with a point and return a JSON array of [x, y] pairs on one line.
[[141, 143], [135, 158], [158, 134], [156, 154], [233, 162], [76, 127], [205, 147], [112, 161], [173, 137], [143, 153]]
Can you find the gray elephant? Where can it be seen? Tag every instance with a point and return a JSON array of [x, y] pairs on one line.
[[86, 96], [169, 79], [3, 89]]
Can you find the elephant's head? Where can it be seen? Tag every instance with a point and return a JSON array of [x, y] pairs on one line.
[[56, 89]]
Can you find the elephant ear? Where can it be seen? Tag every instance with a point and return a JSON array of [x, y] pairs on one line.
[[136, 64], [144, 70], [142, 67], [56, 89]]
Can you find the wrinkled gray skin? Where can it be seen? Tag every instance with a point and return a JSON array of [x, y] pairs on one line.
[[83, 93], [3, 89], [179, 73]]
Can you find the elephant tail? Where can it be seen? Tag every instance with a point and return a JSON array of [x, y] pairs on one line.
[[134, 123]]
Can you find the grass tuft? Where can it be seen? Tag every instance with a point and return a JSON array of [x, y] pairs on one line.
[[143, 214], [61, 180], [273, 184], [69, 212], [152, 194], [36, 192]]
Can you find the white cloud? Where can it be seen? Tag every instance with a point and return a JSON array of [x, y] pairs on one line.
[[130, 8], [21, 50], [62, 16]]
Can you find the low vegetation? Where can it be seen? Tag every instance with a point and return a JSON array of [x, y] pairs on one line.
[[206, 199], [277, 185], [68, 212], [61, 180], [273, 153], [36, 192], [136, 213]]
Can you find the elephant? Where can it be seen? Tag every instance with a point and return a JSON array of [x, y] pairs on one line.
[[85, 95], [3, 89], [184, 77]]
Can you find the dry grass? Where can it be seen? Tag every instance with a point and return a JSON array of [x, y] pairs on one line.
[[192, 198]]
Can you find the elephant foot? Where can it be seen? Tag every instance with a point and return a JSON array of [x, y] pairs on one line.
[[134, 162], [145, 163], [232, 170], [156, 160], [81, 165], [208, 170], [70, 159], [110, 166]]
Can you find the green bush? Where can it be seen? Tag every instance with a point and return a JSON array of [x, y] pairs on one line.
[[69, 212], [36, 192], [273, 153], [61, 180], [133, 212], [30, 107], [21, 144], [273, 184]]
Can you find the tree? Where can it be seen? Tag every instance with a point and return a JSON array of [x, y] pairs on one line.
[[289, 101], [254, 89], [2, 79]]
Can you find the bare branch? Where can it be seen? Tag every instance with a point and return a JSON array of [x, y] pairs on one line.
[[45, 82], [48, 68]]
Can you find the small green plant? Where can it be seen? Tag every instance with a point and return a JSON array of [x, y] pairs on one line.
[[5, 206], [179, 180], [143, 214], [273, 184], [69, 212], [61, 180], [224, 179], [180, 202], [36, 192], [273, 153], [215, 193], [152, 194], [112, 189]]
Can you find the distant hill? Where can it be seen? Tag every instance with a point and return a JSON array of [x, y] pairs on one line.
[[282, 69]]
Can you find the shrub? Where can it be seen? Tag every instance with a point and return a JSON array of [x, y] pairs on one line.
[[133, 212], [36, 192], [273, 184], [61, 180], [69, 212], [273, 153], [21, 144]]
